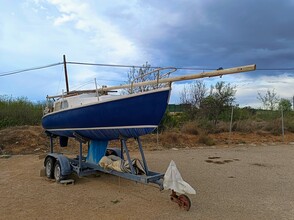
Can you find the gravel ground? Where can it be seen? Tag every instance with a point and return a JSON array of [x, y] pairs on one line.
[[241, 182]]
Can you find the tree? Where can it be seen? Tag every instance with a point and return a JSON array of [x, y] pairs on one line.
[[269, 100], [285, 105], [139, 75], [221, 96], [194, 95], [185, 96], [142, 74], [198, 92]]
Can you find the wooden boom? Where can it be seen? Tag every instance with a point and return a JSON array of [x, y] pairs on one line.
[[172, 79]]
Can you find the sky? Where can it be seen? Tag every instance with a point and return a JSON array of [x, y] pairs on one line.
[[202, 34]]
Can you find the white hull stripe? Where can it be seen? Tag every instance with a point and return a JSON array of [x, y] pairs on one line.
[[103, 128]]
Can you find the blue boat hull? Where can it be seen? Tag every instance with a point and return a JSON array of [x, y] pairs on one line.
[[128, 117]]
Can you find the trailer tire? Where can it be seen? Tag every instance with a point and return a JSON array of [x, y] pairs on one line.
[[57, 172], [49, 167]]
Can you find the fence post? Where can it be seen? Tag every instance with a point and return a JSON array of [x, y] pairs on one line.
[[231, 122], [283, 130]]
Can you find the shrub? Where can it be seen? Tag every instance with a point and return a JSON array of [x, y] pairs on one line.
[[19, 111], [168, 121], [171, 139], [190, 128], [205, 139]]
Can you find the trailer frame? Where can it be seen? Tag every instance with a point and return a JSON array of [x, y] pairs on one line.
[[81, 167]]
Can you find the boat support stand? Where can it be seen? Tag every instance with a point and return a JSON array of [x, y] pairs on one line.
[[81, 167]]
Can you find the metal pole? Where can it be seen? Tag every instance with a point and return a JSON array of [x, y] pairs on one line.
[[158, 79], [51, 143], [283, 131], [157, 137], [128, 155], [121, 150], [143, 156], [65, 73], [80, 157], [231, 124], [96, 89]]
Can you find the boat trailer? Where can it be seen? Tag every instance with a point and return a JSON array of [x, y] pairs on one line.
[[59, 166]]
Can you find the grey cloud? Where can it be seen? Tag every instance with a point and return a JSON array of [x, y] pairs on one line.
[[225, 32]]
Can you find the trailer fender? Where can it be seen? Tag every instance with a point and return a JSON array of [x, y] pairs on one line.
[[65, 166]]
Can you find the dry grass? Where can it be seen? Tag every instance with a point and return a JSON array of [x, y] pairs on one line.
[[31, 139], [171, 139], [205, 139], [190, 127]]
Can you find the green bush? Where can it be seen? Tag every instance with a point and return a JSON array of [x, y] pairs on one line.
[[19, 111], [168, 121]]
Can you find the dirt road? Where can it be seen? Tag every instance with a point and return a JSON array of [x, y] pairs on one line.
[[243, 182]]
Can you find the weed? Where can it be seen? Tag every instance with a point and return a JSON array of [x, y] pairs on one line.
[[205, 139], [190, 128]]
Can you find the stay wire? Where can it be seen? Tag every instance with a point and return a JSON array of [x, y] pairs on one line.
[[109, 65], [29, 69], [182, 68], [132, 66], [126, 66]]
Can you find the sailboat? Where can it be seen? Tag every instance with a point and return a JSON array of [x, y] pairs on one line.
[[109, 116], [99, 115]]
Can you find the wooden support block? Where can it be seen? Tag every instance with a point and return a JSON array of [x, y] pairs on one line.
[[42, 172], [66, 182]]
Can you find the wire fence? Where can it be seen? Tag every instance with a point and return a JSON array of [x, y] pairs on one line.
[[235, 119]]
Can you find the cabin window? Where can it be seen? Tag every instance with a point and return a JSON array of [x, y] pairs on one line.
[[64, 104], [57, 106], [61, 105]]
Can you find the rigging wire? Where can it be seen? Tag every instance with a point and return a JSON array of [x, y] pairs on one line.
[[60, 79], [275, 69], [133, 66], [183, 68], [126, 66], [29, 69]]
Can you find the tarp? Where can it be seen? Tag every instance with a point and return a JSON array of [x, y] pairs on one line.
[[96, 151], [174, 181], [116, 163]]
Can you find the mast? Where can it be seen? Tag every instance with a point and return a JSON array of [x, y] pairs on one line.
[[65, 73], [180, 78], [172, 79]]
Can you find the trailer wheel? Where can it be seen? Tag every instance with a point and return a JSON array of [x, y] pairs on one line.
[[184, 202], [49, 167], [57, 172]]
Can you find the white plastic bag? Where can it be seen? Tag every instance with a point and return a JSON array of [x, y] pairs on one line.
[[174, 181]]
